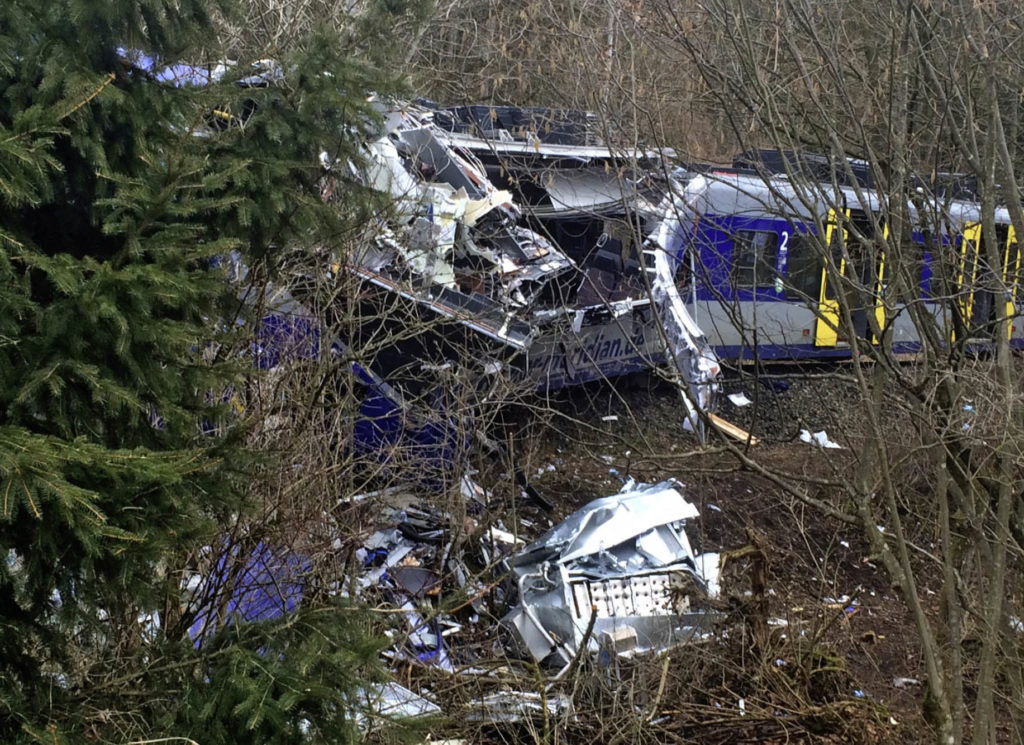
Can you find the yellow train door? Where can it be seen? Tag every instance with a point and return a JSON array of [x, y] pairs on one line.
[[826, 329], [1011, 277], [967, 276]]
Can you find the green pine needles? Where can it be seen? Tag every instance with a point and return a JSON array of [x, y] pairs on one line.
[[120, 454]]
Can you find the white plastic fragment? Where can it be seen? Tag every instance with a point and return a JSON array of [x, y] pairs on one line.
[[739, 399], [819, 438], [391, 700], [518, 706], [503, 536]]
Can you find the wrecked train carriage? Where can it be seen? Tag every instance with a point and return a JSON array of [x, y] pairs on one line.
[[614, 212], [563, 311], [459, 249]]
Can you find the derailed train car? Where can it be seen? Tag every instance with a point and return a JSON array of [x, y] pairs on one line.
[[762, 288]]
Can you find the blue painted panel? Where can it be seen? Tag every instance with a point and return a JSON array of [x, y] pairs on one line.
[[285, 336], [714, 246], [388, 427], [261, 585]]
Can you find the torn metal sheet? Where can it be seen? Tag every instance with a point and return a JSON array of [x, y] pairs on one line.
[[519, 706], [586, 191], [622, 567], [416, 581], [688, 351], [579, 154]]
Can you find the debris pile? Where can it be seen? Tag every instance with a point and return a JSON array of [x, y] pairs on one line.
[[617, 575], [616, 578]]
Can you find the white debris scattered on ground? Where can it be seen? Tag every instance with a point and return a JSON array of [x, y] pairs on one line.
[[819, 438]]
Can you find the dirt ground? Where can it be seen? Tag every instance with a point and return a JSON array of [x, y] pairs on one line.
[[825, 597]]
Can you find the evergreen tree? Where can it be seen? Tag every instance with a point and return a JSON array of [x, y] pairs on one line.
[[119, 193]]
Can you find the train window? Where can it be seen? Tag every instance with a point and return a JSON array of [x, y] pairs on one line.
[[803, 269], [753, 259]]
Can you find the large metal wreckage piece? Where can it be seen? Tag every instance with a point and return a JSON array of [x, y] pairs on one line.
[[618, 575], [613, 209], [453, 243], [463, 248]]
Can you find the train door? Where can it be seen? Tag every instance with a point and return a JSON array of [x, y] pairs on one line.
[[879, 284], [967, 276], [826, 328], [977, 288], [867, 256], [1011, 276], [866, 268]]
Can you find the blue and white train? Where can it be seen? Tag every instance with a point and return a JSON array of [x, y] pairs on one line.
[[759, 288]]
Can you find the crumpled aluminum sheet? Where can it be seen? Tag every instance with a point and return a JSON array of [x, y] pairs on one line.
[[622, 567]]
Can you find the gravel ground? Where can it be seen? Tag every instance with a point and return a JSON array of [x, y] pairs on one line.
[[786, 401]]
